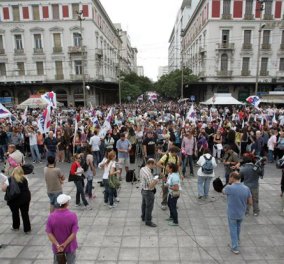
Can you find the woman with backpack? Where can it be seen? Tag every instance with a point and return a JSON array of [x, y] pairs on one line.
[[205, 173]]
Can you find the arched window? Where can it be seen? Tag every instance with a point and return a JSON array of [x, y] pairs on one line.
[[224, 62]]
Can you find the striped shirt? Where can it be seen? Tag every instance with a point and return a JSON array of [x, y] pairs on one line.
[[146, 177]]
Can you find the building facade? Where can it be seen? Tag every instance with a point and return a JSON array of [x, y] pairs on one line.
[[220, 45], [163, 70], [55, 45], [140, 71]]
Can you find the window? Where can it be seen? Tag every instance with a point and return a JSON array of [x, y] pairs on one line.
[[35, 12], [38, 43], [78, 67], [226, 7], [268, 8], [55, 11], [77, 39], [75, 11], [21, 68], [282, 37], [1, 42], [247, 37], [245, 67], [59, 69], [2, 69], [16, 13], [65, 11], [263, 66], [225, 37], [224, 63], [249, 7], [57, 40], [281, 64], [266, 37], [39, 68], [18, 42]]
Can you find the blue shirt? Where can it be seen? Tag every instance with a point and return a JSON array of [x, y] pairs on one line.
[[123, 144], [237, 198], [173, 179]]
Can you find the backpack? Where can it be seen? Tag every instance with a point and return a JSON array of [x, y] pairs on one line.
[[84, 164], [207, 167], [218, 185]]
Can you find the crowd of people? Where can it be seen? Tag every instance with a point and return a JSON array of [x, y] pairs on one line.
[[162, 139]]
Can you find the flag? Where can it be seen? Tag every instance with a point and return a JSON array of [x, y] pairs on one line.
[[274, 119], [4, 112], [191, 115], [254, 100], [44, 121], [106, 125], [50, 98], [95, 121], [24, 116]]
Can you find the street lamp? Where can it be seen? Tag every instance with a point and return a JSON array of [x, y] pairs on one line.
[[80, 18], [181, 53]]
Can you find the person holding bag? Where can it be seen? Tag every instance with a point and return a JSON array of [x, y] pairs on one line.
[[76, 175], [18, 197], [173, 184]]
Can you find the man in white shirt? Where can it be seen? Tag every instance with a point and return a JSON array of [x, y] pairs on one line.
[[33, 144], [95, 142], [271, 144]]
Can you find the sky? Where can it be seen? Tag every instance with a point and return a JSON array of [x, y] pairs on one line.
[[149, 24]]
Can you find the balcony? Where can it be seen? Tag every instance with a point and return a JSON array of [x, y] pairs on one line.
[[38, 51], [267, 17], [59, 77], [245, 73], [266, 46], [78, 77], [99, 52], [57, 49], [2, 51], [225, 46], [247, 46], [77, 49], [201, 74], [224, 74], [226, 16], [280, 74], [264, 73], [19, 51], [100, 77], [248, 17]]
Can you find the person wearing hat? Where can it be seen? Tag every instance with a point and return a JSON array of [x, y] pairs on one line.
[[61, 228]]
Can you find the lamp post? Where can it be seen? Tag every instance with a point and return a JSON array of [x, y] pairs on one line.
[[261, 26], [80, 18], [181, 53]]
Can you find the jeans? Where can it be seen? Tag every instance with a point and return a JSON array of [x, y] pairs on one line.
[[235, 229], [255, 206], [70, 258], [165, 194], [227, 174], [89, 187], [24, 208], [203, 185], [97, 158], [184, 163], [80, 192], [109, 192], [148, 198], [35, 153], [270, 155], [172, 204]]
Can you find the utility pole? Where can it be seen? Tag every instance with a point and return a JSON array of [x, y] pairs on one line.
[[80, 18]]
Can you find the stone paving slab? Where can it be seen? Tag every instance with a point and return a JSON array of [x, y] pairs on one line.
[[117, 236]]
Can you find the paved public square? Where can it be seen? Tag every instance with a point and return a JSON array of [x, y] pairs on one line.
[[109, 236]]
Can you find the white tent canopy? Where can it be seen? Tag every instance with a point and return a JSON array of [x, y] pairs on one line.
[[222, 99]]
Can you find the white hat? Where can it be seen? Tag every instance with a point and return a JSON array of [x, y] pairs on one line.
[[63, 199]]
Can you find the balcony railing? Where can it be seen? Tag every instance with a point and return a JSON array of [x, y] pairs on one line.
[[247, 46], [57, 49], [245, 73], [19, 51], [248, 17], [266, 46], [224, 73], [225, 46], [59, 77], [267, 17], [77, 49], [226, 16], [2, 51], [38, 51], [78, 77], [264, 73], [99, 52]]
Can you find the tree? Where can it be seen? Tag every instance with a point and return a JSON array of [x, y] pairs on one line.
[[169, 85]]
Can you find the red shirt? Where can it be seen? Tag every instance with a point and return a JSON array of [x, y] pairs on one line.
[[74, 167]]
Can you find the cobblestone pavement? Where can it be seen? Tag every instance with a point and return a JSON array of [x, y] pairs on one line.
[[109, 236]]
